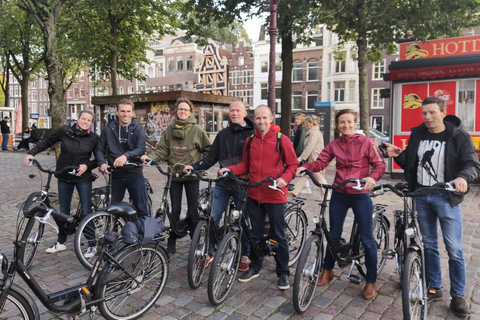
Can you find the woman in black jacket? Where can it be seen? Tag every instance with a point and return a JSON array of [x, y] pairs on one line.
[[77, 145]]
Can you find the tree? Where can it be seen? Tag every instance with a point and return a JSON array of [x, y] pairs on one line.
[[113, 36], [375, 26]]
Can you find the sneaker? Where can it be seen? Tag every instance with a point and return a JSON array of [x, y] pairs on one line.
[[244, 264], [459, 307], [209, 260], [56, 248], [283, 282], [249, 275], [91, 251], [434, 294]]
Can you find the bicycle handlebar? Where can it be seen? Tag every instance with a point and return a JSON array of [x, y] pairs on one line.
[[44, 214], [253, 185], [399, 188], [43, 169], [342, 184]]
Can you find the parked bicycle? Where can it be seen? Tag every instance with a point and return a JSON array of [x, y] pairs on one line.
[[349, 253], [408, 250], [123, 286]]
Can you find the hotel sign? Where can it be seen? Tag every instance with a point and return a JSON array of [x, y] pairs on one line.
[[440, 48]]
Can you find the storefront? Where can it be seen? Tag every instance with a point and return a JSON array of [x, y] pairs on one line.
[[447, 68]]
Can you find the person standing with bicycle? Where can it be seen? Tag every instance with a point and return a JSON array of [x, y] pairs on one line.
[[269, 154], [124, 139], [227, 149], [440, 150], [78, 143], [355, 154], [182, 143]]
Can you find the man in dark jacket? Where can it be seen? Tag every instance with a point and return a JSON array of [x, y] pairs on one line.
[[227, 149], [125, 140], [440, 150], [5, 132]]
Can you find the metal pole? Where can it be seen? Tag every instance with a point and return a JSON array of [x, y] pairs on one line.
[[273, 31]]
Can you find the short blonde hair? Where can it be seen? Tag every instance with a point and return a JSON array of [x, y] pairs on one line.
[[313, 119]]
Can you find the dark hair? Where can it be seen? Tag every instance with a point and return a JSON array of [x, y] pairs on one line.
[[127, 102], [439, 101], [345, 111], [184, 100], [88, 112]]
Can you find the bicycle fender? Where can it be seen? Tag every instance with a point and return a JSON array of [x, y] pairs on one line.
[[24, 294]]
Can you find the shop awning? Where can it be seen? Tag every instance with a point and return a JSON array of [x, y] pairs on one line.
[[436, 68]]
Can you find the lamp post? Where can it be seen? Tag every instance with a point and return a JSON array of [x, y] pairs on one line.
[[273, 32]]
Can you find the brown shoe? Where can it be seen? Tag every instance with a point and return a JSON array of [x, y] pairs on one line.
[[369, 291], [325, 277]]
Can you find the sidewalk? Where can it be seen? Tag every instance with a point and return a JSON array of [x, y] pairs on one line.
[[257, 299]]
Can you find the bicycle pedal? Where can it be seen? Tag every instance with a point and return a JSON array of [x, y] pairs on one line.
[[354, 278], [388, 254]]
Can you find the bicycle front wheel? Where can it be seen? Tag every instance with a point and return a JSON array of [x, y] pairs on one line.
[[132, 286], [295, 232], [413, 289], [197, 257], [224, 268], [89, 231], [308, 269], [36, 233], [18, 305]]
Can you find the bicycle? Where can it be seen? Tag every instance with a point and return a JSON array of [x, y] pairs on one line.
[[93, 226], [123, 286], [351, 253], [408, 250], [45, 198]]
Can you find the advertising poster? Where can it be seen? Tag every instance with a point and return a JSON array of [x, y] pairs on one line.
[[447, 91], [400, 141], [411, 109]]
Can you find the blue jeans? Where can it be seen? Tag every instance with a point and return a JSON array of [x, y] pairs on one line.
[[5, 137], [276, 216], [432, 209], [221, 198], [136, 188], [362, 207], [65, 193]]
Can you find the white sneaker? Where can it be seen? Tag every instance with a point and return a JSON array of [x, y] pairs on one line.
[[91, 251], [56, 248], [306, 191]]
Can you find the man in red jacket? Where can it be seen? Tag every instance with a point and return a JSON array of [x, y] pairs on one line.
[[267, 155]]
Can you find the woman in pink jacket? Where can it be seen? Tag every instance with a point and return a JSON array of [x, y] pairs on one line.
[[355, 154]]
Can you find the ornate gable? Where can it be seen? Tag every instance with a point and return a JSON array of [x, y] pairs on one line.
[[212, 74]]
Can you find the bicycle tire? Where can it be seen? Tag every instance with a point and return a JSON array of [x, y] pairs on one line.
[[224, 268], [382, 238], [413, 292], [90, 229], [35, 234], [197, 256], [295, 232], [203, 202], [99, 201], [123, 297], [309, 266], [18, 304]]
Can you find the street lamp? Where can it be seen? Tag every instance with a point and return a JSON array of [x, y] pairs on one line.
[[273, 32]]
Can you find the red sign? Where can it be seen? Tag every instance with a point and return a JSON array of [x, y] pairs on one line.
[[437, 72], [440, 48], [411, 109], [447, 91], [402, 142]]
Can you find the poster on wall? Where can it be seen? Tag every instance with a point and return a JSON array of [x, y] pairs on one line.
[[411, 110], [447, 91]]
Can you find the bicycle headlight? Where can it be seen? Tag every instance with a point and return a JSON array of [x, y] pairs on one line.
[[410, 232], [4, 264], [236, 214]]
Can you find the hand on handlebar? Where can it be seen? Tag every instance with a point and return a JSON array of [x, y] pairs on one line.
[[369, 183], [104, 168], [299, 171], [81, 170], [120, 161], [144, 158], [460, 184], [26, 160], [222, 171], [187, 168]]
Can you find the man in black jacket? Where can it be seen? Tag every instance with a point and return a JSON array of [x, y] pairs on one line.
[[227, 149], [125, 140], [5, 133], [440, 150]]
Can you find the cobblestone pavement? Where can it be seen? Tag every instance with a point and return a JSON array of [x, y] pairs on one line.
[[257, 299]]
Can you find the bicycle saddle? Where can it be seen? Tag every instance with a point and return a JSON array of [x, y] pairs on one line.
[[124, 210]]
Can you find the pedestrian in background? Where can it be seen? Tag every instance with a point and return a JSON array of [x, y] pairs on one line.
[[5, 132]]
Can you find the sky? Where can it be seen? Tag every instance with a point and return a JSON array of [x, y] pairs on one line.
[[252, 26]]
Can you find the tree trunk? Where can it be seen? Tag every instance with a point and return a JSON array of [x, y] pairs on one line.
[[24, 92], [362, 69], [113, 52], [286, 94]]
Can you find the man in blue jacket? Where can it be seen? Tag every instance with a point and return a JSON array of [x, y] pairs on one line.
[[440, 150], [121, 140]]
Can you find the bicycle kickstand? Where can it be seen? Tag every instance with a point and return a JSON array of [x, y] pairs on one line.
[[354, 278]]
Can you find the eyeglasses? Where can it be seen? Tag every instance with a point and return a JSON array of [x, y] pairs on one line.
[[183, 110]]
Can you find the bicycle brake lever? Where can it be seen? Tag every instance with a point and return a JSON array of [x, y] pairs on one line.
[[358, 186], [274, 187], [449, 187], [73, 172]]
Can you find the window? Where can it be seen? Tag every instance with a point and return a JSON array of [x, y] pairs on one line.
[[247, 97], [297, 72], [339, 66], [264, 63], [171, 64], [466, 103], [15, 89], [351, 91], [34, 107], [92, 92], [150, 72], [376, 122], [34, 96], [312, 71], [236, 78], [160, 70], [312, 97], [130, 90], [241, 61], [329, 87], [122, 90], [377, 102], [179, 63], [82, 92], [34, 84], [264, 91], [247, 77], [339, 94], [378, 70], [189, 62], [296, 100]]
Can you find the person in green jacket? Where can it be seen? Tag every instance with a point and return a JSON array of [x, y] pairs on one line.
[[183, 142]]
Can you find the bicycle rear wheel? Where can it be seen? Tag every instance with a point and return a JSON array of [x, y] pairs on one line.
[[224, 268], [18, 305], [197, 256], [308, 269], [89, 231], [382, 238], [413, 290], [129, 297], [295, 232]]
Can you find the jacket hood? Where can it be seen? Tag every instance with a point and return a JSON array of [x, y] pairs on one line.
[[236, 127], [189, 120], [453, 119]]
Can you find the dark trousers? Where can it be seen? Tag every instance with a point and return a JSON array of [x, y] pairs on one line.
[[136, 188], [191, 190], [276, 216]]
